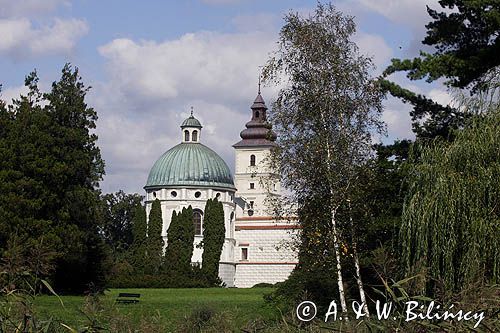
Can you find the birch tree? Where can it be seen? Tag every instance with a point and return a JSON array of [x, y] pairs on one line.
[[325, 114]]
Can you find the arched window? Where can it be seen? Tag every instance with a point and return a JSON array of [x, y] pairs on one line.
[[197, 223], [257, 114], [195, 136], [252, 160], [186, 135]]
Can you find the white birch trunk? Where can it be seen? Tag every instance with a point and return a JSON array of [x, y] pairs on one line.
[[340, 282], [360, 284], [356, 264]]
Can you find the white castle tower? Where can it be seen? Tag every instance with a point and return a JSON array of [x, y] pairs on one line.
[[260, 255]]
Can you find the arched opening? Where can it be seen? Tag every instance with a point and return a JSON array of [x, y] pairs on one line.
[[252, 160], [186, 135], [257, 114], [195, 136], [197, 223]]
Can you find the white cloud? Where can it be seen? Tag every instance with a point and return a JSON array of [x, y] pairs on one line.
[[411, 12], [397, 117], [24, 8], [21, 39], [374, 46], [204, 65], [11, 93], [441, 96]]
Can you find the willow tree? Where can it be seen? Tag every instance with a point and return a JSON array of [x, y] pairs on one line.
[[324, 115], [451, 218]]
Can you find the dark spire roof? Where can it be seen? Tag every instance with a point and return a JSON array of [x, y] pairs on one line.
[[258, 131]]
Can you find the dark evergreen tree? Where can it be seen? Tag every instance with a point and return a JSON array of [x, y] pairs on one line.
[[187, 239], [180, 243], [75, 174], [213, 239], [139, 231], [171, 262], [465, 37], [49, 178], [155, 243]]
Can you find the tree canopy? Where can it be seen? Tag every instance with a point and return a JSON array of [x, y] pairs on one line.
[[324, 117], [466, 38], [50, 167]]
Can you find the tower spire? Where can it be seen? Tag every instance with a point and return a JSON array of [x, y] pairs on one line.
[[258, 132]]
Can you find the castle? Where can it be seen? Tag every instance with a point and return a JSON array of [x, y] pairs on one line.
[[190, 173]]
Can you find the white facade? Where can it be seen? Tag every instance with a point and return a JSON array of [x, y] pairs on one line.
[[261, 241]]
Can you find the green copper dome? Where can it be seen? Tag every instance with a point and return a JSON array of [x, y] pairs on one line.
[[190, 164], [191, 122]]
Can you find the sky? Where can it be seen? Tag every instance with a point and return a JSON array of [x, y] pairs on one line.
[[149, 61]]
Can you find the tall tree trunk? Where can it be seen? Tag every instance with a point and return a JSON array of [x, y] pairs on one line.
[[356, 264], [334, 208], [340, 281]]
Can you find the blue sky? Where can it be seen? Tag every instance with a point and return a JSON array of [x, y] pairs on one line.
[[149, 61]]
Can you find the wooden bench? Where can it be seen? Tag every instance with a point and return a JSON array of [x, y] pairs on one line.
[[127, 298]]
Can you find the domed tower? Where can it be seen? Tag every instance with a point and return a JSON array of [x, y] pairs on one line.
[[188, 175]]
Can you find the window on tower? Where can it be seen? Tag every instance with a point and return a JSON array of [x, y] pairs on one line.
[[195, 136], [186, 135], [252, 160], [197, 223], [252, 186]]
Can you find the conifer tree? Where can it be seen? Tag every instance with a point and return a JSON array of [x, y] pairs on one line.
[[180, 237], [139, 231], [173, 244], [187, 239], [49, 179], [213, 239], [154, 241]]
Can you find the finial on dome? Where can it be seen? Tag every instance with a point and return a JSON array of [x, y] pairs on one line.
[[192, 111], [259, 82]]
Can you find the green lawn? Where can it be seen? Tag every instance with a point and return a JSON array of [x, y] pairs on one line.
[[171, 306]]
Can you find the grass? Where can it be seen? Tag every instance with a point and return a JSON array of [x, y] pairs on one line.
[[172, 306]]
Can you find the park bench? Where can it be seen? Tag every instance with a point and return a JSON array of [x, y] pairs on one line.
[[127, 298]]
